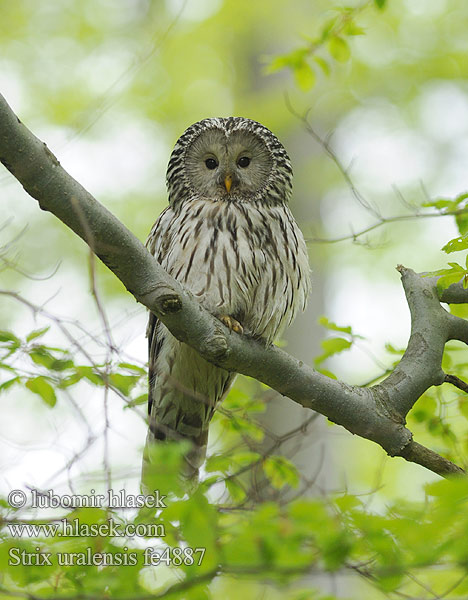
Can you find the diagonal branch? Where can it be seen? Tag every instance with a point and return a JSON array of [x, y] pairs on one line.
[[457, 382], [376, 413]]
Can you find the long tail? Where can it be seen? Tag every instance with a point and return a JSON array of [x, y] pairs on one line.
[[184, 390], [176, 425]]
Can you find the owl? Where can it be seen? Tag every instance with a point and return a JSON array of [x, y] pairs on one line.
[[229, 237]]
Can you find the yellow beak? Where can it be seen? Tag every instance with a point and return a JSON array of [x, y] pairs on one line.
[[228, 183]]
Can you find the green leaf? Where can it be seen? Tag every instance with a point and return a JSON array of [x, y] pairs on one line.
[[8, 336], [461, 198], [347, 502], [217, 462], [37, 333], [448, 203], [235, 489], [241, 425], [242, 459], [351, 28], [12, 343], [339, 49], [441, 203], [90, 374], [123, 383], [324, 322], [380, 4], [322, 63], [462, 223], [41, 387], [326, 372], [162, 466], [291, 60], [447, 280], [392, 350], [280, 471], [8, 383], [198, 520], [328, 27], [454, 267], [41, 356], [448, 276], [332, 346], [457, 244], [141, 399], [278, 63], [304, 76], [68, 381], [132, 367]]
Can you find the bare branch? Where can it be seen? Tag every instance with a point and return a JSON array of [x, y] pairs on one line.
[[381, 220], [324, 142], [457, 382]]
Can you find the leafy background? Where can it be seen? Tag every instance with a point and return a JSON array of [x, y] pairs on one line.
[[289, 506]]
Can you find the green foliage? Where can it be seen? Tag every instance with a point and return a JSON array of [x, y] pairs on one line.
[[457, 244], [41, 387], [454, 274], [331, 41], [280, 471], [334, 345], [57, 370], [279, 543], [339, 49], [458, 207]]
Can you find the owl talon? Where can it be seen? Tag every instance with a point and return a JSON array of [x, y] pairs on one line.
[[231, 323]]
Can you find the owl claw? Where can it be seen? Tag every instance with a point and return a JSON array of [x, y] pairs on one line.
[[231, 323]]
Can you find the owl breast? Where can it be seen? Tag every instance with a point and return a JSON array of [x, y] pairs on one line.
[[245, 260]]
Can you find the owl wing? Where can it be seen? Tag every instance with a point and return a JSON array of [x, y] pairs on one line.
[[155, 340], [183, 388]]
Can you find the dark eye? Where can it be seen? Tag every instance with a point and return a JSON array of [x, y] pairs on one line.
[[211, 163], [244, 161]]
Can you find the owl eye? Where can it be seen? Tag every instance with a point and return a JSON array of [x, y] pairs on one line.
[[211, 163], [244, 161]]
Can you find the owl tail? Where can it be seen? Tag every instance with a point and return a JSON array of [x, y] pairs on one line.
[[159, 432], [184, 390]]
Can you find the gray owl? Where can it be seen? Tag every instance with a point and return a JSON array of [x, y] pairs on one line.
[[230, 238]]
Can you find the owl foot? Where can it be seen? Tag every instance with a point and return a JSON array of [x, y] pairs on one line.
[[231, 323]]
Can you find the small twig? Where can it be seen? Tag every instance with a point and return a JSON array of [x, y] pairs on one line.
[[457, 382], [384, 221], [325, 144], [111, 347]]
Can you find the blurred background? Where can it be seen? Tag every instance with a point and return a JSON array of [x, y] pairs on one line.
[[110, 86]]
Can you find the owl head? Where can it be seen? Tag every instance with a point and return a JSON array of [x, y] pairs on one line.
[[229, 159]]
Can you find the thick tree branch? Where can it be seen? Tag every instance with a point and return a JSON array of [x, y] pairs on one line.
[[376, 413]]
